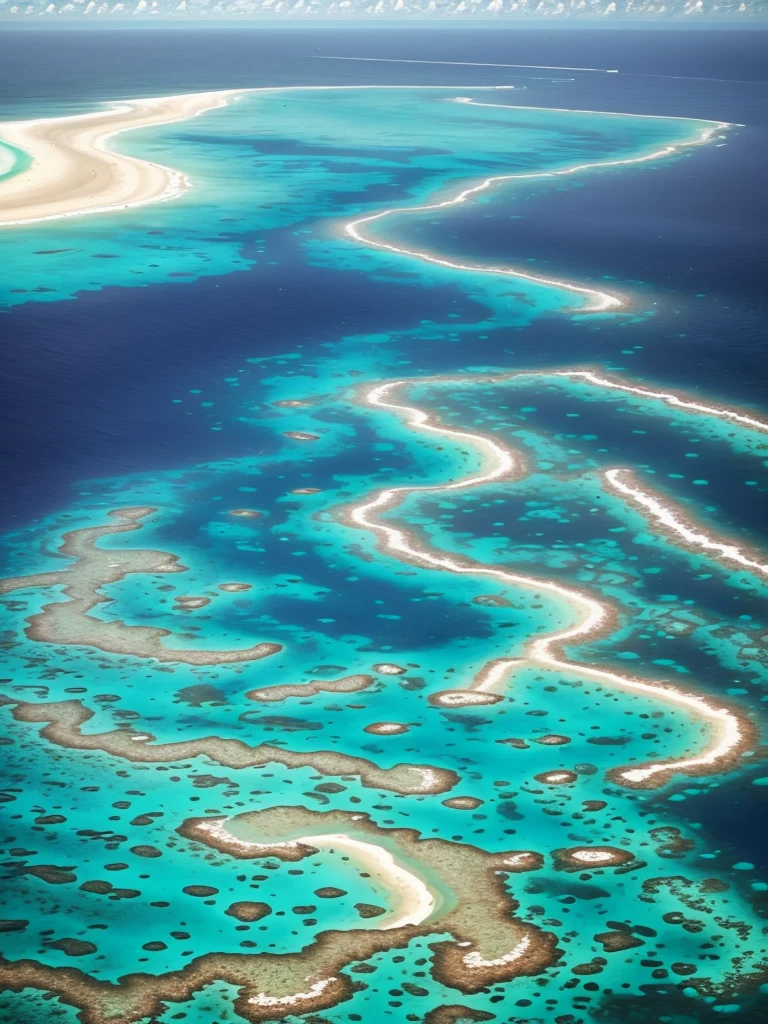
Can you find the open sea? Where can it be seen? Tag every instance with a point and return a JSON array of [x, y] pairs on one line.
[[239, 577]]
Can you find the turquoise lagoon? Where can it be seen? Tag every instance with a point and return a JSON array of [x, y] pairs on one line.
[[309, 160], [275, 177]]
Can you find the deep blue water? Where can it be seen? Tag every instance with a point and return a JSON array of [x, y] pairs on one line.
[[82, 393], [85, 387]]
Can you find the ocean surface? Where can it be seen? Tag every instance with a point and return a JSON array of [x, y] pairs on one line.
[[210, 367]]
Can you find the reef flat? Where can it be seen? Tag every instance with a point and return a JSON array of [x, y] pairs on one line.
[[387, 697], [68, 622], [68, 170]]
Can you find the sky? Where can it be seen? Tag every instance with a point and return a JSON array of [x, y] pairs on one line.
[[44, 12]]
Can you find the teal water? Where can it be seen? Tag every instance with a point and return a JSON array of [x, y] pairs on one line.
[[306, 160], [275, 177], [12, 160]]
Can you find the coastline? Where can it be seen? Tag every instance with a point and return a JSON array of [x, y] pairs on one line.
[[72, 170]]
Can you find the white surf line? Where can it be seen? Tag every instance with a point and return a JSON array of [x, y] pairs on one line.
[[474, 959], [671, 520], [467, 64], [125, 106], [177, 182], [722, 125], [593, 617], [315, 990], [669, 397], [598, 301]]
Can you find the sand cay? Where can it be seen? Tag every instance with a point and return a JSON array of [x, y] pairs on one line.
[[413, 901], [73, 172]]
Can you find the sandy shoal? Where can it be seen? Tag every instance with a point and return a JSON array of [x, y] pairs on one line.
[[74, 172], [413, 901]]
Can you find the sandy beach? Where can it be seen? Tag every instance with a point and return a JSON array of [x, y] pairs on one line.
[[74, 172], [413, 901]]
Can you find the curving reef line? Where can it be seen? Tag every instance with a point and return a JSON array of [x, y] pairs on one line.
[[596, 300], [732, 733], [63, 723], [476, 938], [83, 582], [678, 526], [74, 172]]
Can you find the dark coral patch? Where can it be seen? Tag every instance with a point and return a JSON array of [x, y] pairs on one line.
[[248, 910], [73, 947], [146, 851], [366, 910], [330, 892]]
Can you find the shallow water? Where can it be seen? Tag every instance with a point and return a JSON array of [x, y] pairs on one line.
[[152, 352]]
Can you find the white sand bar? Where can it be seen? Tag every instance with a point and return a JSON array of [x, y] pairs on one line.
[[73, 172], [412, 900]]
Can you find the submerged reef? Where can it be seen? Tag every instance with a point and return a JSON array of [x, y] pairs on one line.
[[414, 702], [69, 622]]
